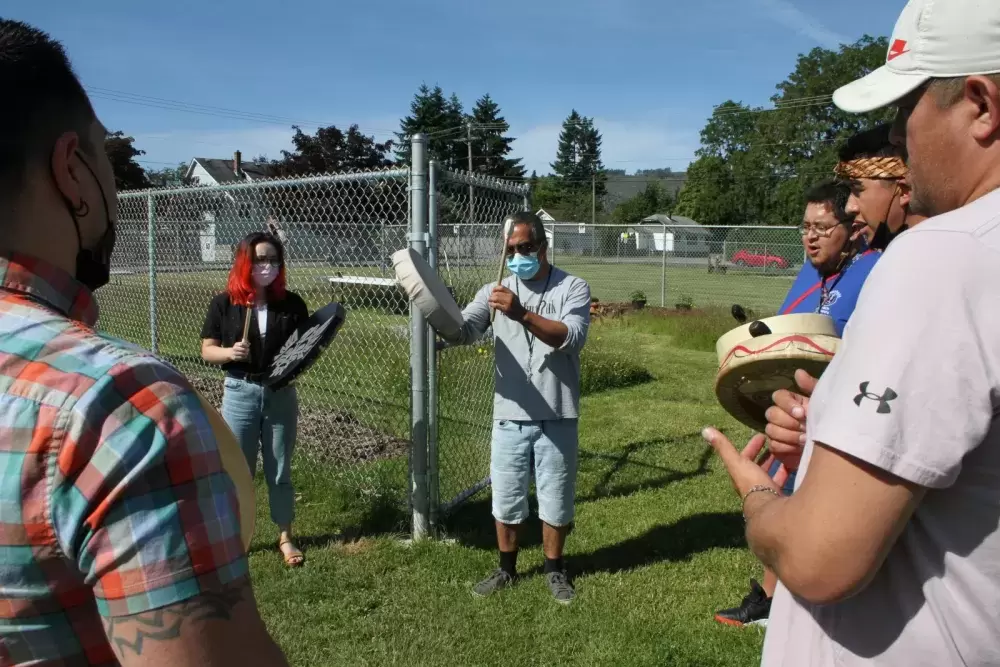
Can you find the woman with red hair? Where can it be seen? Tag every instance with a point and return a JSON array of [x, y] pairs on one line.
[[260, 417]]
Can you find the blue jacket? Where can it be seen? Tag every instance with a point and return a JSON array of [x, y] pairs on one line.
[[844, 288]]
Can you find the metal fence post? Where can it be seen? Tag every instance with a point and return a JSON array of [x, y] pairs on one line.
[[418, 345], [151, 243], [663, 271], [432, 355]]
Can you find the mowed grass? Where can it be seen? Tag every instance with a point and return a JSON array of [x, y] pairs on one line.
[[657, 548], [658, 544]]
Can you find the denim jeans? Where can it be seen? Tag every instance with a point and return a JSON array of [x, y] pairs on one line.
[[266, 419]]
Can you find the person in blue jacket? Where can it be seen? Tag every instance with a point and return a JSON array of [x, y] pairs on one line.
[[839, 259]]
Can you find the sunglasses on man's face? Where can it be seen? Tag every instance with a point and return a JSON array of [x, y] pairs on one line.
[[525, 248]]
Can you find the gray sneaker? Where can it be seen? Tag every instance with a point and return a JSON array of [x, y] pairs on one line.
[[493, 583], [561, 589]]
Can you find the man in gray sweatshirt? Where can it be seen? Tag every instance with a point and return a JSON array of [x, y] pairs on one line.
[[542, 318]]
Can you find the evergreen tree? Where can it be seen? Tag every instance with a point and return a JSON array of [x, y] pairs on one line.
[[490, 146], [578, 159], [442, 119]]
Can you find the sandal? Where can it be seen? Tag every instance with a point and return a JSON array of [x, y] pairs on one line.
[[293, 559]]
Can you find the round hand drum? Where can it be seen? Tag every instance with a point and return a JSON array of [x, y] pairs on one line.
[[752, 367], [235, 464], [427, 292], [305, 345]]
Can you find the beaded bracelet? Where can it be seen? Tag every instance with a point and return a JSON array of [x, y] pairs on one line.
[[756, 489]]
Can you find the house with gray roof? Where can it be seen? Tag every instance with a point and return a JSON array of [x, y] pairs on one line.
[[214, 171]]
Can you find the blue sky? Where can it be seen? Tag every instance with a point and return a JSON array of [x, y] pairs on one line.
[[648, 71]]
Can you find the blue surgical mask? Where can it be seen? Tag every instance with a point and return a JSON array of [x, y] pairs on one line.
[[524, 266]]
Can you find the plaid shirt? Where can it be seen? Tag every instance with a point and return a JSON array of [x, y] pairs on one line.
[[113, 500]]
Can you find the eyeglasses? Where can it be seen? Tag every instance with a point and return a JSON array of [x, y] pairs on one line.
[[823, 232], [525, 248]]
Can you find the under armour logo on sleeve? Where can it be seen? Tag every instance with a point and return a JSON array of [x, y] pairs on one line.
[[883, 400]]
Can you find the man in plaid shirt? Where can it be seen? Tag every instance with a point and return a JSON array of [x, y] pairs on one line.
[[119, 529]]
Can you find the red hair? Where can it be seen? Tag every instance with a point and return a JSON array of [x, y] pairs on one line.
[[241, 289]]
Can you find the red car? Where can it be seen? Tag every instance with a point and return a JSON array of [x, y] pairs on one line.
[[758, 259]]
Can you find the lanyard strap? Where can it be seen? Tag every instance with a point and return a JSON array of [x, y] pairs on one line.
[[822, 284], [530, 337]]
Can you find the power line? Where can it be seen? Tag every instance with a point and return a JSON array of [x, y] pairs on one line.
[[206, 110]]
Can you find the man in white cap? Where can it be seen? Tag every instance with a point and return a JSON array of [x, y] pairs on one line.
[[888, 551]]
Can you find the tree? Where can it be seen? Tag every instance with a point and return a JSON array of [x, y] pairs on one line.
[[754, 164], [442, 120], [708, 195], [654, 199], [168, 177], [662, 172], [545, 192], [578, 161], [490, 147], [129, 175], [331, 150]]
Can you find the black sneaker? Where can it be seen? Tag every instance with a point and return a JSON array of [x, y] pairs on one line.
[[560, 587], [754, 610], [500, 579]]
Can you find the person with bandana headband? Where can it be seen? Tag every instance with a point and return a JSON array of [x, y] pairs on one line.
[[264, 420], [540, 327], [875, 170], [122, 534]]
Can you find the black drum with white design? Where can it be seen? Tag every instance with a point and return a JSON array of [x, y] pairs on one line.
[[305, 345]]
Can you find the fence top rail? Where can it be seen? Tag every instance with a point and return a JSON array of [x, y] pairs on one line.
[[322, 179], [491, 182], [657, 224]]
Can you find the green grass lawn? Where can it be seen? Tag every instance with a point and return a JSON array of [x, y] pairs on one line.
[[657, 547], [658, 544]]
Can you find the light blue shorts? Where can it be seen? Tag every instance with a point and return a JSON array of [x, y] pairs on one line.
[[553, 445]]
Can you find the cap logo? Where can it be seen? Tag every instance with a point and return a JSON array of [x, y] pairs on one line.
[[897, 49]]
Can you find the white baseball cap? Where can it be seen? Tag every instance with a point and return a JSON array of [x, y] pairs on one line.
[[932, 39]]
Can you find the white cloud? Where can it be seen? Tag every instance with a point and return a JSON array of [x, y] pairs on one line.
[[628, 145], [790, 16]]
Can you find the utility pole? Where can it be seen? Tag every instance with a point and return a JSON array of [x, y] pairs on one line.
[[593, 214], [472, 190], [593, 199]]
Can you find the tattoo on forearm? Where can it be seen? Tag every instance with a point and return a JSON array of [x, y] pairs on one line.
[[134, 633]]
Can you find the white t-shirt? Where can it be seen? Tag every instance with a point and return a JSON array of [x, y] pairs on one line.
[[262, 321], [915, 390]]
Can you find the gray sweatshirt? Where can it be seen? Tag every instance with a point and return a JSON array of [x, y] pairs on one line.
[[534, 381]]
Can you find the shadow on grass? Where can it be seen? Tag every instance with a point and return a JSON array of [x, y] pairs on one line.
[[620, 461], [472, 523], [674, 542], [381, 518]]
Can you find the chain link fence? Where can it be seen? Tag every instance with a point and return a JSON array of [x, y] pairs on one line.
[[681, 266], [385, 412], [466, 211], [174, 251]]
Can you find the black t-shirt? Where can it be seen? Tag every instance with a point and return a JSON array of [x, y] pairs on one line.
[[224, 323]]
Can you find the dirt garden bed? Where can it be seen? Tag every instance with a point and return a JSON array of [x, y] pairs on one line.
[[599, 309], [325, 436]]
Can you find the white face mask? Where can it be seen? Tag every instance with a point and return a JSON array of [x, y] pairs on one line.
[[264, 274]]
